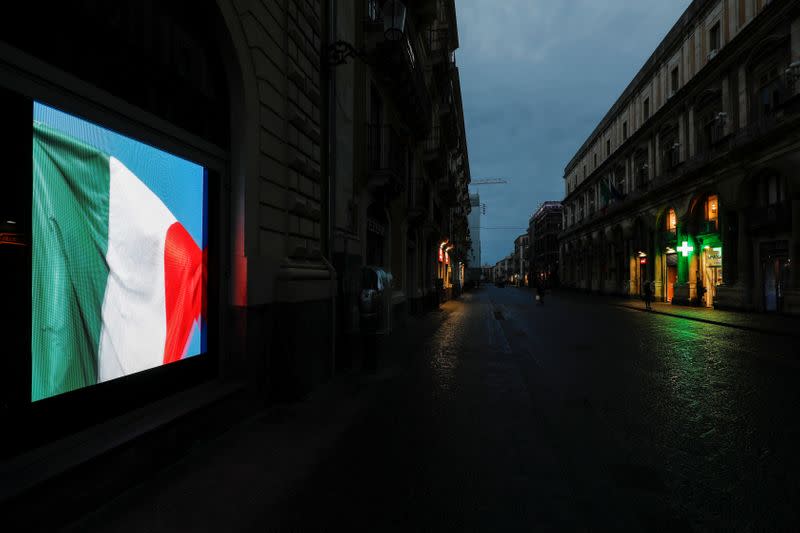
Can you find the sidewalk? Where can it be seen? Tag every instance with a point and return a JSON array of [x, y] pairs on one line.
[[236, 481], [771, 324]]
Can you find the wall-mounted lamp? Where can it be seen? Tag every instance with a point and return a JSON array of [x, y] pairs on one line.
[[792, 74], [394, 20], [393, 14]]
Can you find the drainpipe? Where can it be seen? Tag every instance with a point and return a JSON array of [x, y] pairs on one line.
[[328, 155]]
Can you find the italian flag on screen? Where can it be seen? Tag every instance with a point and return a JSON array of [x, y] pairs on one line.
[[117, 281]]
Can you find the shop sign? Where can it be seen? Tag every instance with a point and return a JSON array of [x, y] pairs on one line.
[[714, 257]]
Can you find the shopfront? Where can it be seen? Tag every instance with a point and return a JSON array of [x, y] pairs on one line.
[[711, 273], [709, 263]]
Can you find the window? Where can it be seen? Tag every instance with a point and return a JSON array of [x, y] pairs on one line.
[[624, 130], [770, 91], [619, 174], [584, 171], [373, 11], [674, 80], [773, 190], [646, 108], [713, 38], [608, 147], [595, 160], [672, 221], [712, 208]]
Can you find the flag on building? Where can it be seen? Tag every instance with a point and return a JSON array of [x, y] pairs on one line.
[[605, 192], [118, 282]]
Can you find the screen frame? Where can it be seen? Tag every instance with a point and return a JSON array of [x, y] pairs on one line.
[[32, 424]]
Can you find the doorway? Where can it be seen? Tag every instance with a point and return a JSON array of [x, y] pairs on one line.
[[711, 269], [774, 273], [672, 275]]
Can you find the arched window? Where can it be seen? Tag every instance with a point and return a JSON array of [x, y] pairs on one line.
[[672, 221], [712, 210]]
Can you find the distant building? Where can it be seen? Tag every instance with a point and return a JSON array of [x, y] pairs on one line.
[[544, 227], [503, 269], [520, 274]]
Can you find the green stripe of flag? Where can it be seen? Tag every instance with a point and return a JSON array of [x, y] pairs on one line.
[[70, 240]]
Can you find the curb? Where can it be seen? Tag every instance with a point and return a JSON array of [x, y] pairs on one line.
[[714, 322]]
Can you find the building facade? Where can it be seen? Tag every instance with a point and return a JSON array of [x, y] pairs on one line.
[[690, 181], [504, 268], [401, 167], [520, 274], [323, 143], [474, 223], [544, 228]]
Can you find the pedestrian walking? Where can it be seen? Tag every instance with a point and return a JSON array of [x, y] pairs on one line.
[[540, 292], [648, 295]]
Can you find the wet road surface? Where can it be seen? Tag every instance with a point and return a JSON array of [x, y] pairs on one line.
[[573, 415]]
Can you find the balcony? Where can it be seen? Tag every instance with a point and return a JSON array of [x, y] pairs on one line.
[[418, 201], [642, 180], [443, 71], [716, 131], [672, 157], [447, 189], [772, 216], [669, 237], [707, 227], [386, 159], [402, 67], [433, 148], [438, 45]]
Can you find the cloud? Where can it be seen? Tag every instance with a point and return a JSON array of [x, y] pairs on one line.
[[537, 76]]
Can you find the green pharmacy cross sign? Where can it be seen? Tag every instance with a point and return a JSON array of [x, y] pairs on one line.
[[685, 249]]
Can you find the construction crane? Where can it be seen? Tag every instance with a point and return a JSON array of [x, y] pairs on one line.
[[488, 181]]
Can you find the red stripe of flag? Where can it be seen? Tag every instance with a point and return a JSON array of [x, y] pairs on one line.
[[184, 281]]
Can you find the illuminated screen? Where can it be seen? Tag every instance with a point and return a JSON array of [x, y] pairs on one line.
[[119, 241]]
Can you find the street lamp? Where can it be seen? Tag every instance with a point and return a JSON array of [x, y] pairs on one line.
[[394, 20], [792, 74], [393, 13]]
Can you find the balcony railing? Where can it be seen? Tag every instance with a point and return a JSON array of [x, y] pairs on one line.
[[642, 179], [672, 157], [669, 236], [708, 226], [433, 143], [386, 157], [437, 41], [401, 64], [716, 131]]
